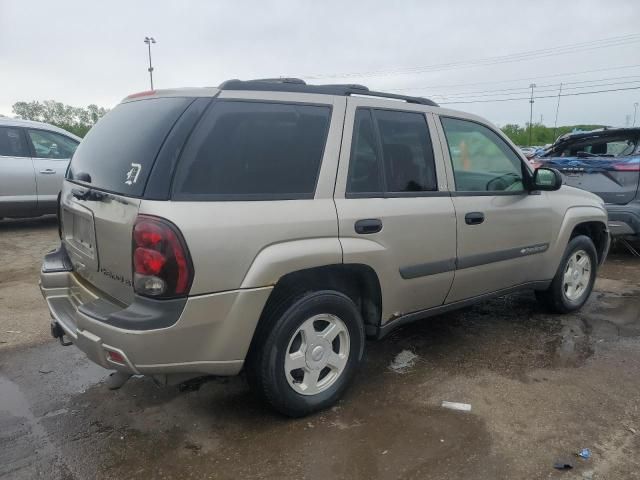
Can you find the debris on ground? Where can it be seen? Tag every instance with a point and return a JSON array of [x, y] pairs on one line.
[[403, 361], [463, 407], [584, 453], [563, 464]]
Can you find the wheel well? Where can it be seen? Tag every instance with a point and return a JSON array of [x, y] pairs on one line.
[[596, 231], [359, 282]]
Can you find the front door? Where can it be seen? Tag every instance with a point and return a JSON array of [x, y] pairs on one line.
[[17, 180], [394, 211], [51, 155], [502, 227]]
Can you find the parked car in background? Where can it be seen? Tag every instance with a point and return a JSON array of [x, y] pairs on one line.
[[607, 163], [33, 160], [271, 225]]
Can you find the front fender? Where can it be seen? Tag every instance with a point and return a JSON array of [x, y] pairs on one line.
[[572, 218]]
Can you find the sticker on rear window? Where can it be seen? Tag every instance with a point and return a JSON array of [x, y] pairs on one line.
[[132, 175]]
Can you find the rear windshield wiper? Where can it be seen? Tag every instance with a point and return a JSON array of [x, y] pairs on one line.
[[87, 194]]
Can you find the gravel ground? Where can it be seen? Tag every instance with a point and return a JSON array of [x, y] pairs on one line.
[[540, 387]]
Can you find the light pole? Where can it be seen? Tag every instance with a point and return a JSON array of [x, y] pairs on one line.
[[149, 41], [532, 86], [555, 124], [635, 112]]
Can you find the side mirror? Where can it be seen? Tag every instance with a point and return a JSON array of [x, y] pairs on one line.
[[548, 179]]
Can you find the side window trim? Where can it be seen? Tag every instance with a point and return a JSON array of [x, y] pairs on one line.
[[442, 134], [385, 193], [354, 139]]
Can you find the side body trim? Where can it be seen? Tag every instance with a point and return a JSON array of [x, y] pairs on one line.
[[424, 269], [394, 323]]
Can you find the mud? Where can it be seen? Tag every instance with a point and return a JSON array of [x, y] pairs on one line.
[[541, 387]]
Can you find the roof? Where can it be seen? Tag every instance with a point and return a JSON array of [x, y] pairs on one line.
[[300, 86], [17, 122]]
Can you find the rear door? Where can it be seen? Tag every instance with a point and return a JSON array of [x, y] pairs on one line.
[[105, 181], [51, 153], [501, 227], [18, 195], [394, 210]]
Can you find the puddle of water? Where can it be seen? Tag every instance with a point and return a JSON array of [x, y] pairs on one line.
[[19, 423]]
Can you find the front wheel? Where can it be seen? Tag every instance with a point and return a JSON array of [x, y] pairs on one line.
[[574, 279], [311, 349]]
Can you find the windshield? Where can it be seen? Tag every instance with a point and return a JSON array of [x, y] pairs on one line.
[[119, 151]]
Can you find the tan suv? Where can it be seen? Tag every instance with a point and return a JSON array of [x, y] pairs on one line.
[[269, 226]]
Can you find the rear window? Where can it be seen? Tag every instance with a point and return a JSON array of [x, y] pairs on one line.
[[246, 150], [119, 151]]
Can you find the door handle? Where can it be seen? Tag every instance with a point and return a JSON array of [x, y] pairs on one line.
[[474, 218], [48, 171], [368, 225]]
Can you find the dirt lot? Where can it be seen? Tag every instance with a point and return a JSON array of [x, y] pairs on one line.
[[541, 388]]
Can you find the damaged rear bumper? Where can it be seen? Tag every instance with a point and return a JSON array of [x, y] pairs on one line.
[[202, 335]]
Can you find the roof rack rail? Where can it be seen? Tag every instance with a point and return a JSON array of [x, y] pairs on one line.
[[300, 86]]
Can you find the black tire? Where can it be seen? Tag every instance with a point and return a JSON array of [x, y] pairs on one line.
[[265, 363], [555, 297]]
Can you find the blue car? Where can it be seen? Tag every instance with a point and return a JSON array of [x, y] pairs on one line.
[[607, 163]]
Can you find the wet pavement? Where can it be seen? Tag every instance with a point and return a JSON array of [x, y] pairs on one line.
[[541, 387]]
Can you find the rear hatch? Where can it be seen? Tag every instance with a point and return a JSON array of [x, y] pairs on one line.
[[614, 179], [106, 180]]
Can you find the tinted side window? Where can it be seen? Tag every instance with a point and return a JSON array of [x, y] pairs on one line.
[[407, 153], [254, 150], [481, 160], [364, 165], [52, 145], [12, 143]]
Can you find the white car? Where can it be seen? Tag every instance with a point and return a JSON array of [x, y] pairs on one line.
[[33, 160]]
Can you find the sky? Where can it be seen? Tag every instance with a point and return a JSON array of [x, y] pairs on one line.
[[84, 52]]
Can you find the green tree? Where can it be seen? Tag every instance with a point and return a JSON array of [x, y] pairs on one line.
[[77, 120], [540, 134]]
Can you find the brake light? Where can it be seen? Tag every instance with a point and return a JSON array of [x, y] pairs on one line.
[[146, 93], [162, 266], [627, 167]]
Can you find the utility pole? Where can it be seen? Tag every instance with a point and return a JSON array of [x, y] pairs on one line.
[[532, 86], [635, 113], [555, 125], [149, 41]]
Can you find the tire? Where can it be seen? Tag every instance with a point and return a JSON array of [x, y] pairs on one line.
[[291, 336], [561, 297]]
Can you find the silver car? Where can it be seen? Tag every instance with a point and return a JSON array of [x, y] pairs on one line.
[[271, 226], [33, 160]]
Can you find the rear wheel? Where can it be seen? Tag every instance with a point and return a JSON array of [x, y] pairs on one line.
[[574, 279], [311, 349]]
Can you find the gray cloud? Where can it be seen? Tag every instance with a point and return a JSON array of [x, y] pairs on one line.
[[82, 52]]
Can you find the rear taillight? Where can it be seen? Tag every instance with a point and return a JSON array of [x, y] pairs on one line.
[[627, 166], [162, 267]]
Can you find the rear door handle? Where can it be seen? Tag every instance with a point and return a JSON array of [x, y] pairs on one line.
[[48, 171], [368, 225], [474, 218]]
